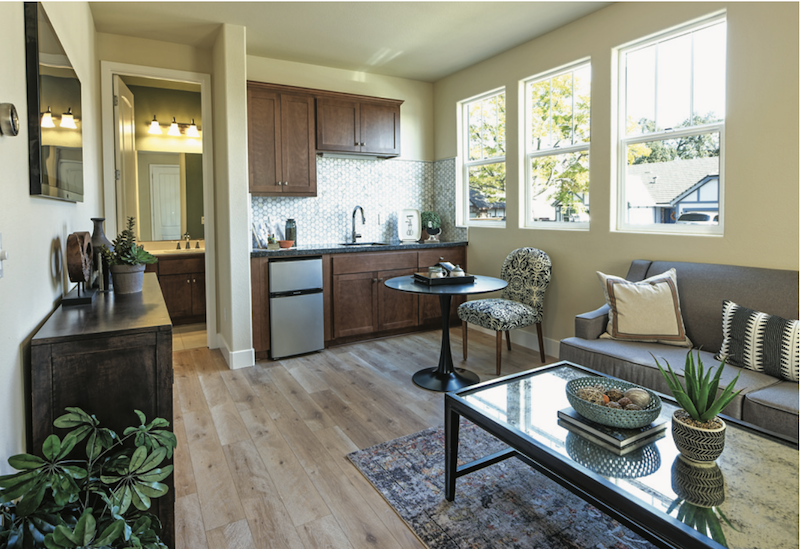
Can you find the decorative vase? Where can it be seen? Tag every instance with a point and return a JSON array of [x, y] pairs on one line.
[[699, 446], [433, 234], [99, 240], [127, 279]]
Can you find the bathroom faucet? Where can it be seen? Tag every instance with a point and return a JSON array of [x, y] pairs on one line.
[[187, 237], [363, 222]]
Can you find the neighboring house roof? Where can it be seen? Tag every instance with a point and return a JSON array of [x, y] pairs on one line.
[[661, 183], [478, 200]]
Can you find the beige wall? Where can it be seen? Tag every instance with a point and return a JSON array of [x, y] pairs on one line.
[[35, 229], [416, 113], [760, 164], [153, 53]]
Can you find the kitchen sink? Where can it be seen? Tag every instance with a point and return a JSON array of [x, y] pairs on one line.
[[365, 244]]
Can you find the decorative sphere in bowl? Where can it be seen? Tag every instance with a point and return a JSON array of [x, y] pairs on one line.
[[612, 417]]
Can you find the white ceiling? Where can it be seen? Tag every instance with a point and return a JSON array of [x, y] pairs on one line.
[[416, 40]]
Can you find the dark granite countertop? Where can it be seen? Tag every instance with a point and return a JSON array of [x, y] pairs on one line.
[[315, 249]]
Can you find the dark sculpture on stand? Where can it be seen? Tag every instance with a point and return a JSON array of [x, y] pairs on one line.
[[99, 239], [79, 268]]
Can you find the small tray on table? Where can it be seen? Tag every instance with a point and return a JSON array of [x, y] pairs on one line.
[[423, 278]]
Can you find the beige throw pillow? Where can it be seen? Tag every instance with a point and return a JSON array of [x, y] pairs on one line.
[[648, 311]]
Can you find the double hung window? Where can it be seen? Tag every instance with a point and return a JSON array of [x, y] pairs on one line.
[[484, 160], [558, 109], [671, 131]]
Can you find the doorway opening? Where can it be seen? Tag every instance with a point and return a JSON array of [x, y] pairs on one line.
[[164, 180]]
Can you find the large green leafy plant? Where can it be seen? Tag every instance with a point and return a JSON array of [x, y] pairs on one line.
[[699, 398], [126, 251], [100, 499]]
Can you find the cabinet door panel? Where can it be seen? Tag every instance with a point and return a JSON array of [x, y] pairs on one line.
[[177, 290], [264, 140], [299, 161], [380, 129], [337, 125], [354, 304], [396, 309], [430, 311], [260, 285], [198, 293]]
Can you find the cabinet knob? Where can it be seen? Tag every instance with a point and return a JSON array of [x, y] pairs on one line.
[[194, 280], [362, 144], [188, 281], [374, 279]]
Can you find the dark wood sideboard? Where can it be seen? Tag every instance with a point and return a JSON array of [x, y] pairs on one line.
[[108, 358]]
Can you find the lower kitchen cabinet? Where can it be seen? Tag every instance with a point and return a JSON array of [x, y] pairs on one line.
[[430, 311]]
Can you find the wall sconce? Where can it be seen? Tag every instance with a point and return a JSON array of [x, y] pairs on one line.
[[67, 120], [173, 128], [176, 129], [155, 128], [191, 131], [47, 119]]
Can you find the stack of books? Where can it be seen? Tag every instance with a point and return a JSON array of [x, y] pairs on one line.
[[619, 441]]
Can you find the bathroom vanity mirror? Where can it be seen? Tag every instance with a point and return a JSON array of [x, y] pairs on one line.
[[54, 112]]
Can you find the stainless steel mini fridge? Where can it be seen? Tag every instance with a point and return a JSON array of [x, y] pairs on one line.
[[295, 306]]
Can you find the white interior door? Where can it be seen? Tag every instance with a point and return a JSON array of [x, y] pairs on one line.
[[125, 156], [165, 201]]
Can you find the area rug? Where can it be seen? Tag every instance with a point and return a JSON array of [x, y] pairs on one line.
[[506, 505]]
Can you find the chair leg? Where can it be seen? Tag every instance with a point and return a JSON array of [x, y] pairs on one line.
[[541, 341], [464, 338], [508, 339], [499, 349]]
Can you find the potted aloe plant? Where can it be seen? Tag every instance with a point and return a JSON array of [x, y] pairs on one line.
[[127, 261], [697, 430], [91, 489]]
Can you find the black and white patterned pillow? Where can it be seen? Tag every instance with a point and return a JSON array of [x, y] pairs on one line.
[[760, 342]]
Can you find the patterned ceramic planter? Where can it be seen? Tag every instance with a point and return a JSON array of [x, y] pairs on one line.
[[127, 279], [698, 445], [702, 486]]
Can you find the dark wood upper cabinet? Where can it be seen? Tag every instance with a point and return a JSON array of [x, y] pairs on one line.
[[280, 142], [370, 127]]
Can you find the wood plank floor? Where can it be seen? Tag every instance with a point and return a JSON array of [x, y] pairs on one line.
[[261, 451]]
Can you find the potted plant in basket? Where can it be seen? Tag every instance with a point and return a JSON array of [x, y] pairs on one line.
[[432, 224], [697, 431], [127, 261], [94, 494]]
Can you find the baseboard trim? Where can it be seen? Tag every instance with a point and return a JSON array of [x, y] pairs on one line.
[[526, 339], [236, 359]]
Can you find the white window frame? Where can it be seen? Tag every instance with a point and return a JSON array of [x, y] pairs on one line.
[[462, 194], [551, 151], [623, 142]]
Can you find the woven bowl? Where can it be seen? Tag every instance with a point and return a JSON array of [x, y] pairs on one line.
[[610, 417]]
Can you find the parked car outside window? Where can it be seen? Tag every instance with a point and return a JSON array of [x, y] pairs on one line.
[[699, 218]]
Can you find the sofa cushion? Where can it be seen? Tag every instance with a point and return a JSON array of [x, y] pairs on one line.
[[647, 311], [633, 361], [774, 408], [760, 342]]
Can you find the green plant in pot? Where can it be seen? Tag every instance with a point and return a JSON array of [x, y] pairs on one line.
[[92, 488], [696, 430], [432, 224], [127, 261]]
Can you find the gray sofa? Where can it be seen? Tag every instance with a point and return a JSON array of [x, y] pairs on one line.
[[766, 401]]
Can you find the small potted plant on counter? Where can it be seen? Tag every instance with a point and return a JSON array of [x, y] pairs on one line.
[[92, 488], [127, 261], [432, 224], [697, 431]]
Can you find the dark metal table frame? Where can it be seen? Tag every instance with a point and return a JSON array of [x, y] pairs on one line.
[[445, 377], [662, 530]]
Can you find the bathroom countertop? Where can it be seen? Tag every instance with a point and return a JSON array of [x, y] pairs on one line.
[[339, 248]]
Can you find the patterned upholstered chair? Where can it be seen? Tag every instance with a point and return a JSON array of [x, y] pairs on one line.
[[527, 271]]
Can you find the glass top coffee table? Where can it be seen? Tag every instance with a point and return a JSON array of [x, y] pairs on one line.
[[754, 484]]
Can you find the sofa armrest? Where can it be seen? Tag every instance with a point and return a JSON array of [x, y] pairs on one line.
[[590, 325]]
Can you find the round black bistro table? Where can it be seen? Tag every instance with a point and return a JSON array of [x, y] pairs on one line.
[[445, 377]]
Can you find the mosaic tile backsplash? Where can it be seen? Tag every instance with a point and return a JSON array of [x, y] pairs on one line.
[[381, 187]]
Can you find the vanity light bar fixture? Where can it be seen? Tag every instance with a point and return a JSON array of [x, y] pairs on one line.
[[190, 130], [67, 119]]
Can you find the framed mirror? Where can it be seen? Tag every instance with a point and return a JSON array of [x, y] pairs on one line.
[[54, 112]]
